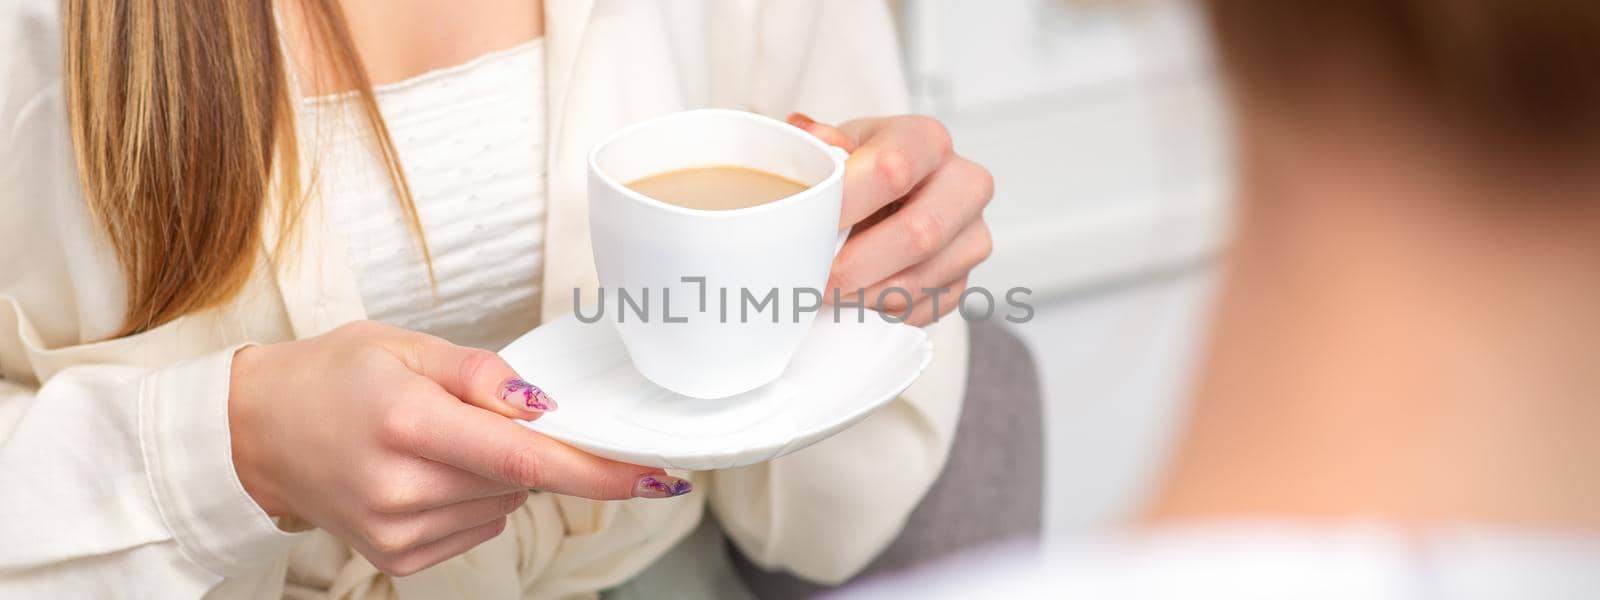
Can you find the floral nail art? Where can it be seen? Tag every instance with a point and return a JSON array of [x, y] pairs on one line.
[[661, 486], [522, 394]]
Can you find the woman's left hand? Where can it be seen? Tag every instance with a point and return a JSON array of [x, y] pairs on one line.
[[917, 210]]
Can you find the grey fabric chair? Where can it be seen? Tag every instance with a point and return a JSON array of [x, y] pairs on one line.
[[991, 490]]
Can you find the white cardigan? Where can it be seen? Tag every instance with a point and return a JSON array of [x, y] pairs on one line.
[[115, 473]]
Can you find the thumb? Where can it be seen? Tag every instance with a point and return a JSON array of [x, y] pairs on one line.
[[829, 134], [480, 378]]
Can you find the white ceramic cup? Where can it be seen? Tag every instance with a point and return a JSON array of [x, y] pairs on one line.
[[724, 346]]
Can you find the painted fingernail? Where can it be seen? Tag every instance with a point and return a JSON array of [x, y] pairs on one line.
[[661, 486], [526, 396], [801, 120]]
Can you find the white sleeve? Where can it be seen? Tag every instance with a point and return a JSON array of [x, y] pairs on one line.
[[116, 478]]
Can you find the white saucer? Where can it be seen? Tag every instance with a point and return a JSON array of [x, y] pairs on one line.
[[842, 372]]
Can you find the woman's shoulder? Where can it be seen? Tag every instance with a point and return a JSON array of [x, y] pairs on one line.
[[30, 56], [55, 265], [32, 12], [29, 28], [33, 123]]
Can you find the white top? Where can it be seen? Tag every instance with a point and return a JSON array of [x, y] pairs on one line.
[[1270, 559], [471, 140]]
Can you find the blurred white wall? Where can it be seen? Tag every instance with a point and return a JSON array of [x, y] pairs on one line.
[[1102, 126]]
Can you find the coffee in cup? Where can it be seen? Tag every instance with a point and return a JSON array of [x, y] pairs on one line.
[[723, 187]]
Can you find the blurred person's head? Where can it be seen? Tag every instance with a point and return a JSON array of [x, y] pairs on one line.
[[1504, 79], [1410, 318]]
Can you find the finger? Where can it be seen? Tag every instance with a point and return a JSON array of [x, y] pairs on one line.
[[967, 250], [894, 155], [924, 312], [950, 200], [441, 550], [504, 451], [428, 484], [478, 377], [402, 533], [829, 134], [873, 219]]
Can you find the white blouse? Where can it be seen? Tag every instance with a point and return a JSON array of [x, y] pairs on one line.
[[471, 143]]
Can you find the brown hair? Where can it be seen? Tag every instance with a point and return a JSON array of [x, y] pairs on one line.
[[1520, 72], [183, 127]]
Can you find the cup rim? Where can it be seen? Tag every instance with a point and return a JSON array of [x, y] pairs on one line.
[[834, 153]]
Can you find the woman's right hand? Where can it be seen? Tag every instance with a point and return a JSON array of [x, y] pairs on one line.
[[401, 444]]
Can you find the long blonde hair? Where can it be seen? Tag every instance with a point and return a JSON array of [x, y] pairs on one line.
[[183, 128]]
